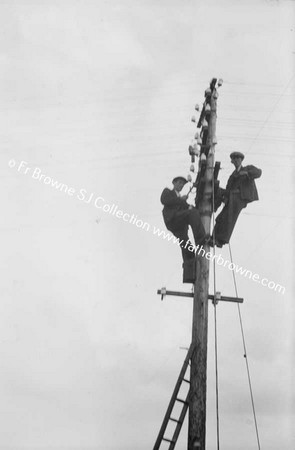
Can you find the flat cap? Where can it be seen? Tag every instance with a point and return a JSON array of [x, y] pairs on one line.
[[179, 179], [237, 155]]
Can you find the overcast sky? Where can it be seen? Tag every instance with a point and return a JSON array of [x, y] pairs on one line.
[[98, 95]]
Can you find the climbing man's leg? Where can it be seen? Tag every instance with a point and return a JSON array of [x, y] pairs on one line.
[[194, 219], [185, 243]]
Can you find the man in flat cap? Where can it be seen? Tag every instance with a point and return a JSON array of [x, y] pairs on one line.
[[178, 215], [240, 190]]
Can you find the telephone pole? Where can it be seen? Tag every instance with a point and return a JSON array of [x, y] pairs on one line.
[[198, 376], [197, 272]]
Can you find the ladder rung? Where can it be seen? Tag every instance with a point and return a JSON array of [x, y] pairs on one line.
[[168, 440], [167, 417], [175, 420], [187, 381]]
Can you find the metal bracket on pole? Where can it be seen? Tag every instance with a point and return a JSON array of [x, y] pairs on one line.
[[162, 291], [215, 298]]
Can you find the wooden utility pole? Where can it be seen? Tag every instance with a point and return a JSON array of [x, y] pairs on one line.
[[198, 377]]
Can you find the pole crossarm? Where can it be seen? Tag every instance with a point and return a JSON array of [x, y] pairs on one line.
[[163, 292]]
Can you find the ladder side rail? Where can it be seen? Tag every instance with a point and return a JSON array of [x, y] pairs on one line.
[[180, 423], [173, 398]]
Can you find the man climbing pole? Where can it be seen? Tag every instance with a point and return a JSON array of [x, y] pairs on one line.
[[178, 215], [240, 190]]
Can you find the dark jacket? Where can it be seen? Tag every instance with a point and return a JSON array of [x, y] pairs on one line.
[[172, 205], [244, 183]]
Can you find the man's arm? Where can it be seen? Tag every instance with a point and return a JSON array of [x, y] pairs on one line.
[[250, 172], [168, 198]]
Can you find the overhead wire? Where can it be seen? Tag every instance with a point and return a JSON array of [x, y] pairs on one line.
[[236, 291], [242, 331], [271, 112], [245, 353], [215, 318]]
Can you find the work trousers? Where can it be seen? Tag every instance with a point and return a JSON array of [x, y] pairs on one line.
[[179, 227], [226, 220]]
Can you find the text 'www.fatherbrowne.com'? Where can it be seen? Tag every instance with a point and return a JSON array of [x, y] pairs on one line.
[[199, 250], [100, 203]]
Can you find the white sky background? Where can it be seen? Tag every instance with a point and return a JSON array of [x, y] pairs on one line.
[[99, 96]]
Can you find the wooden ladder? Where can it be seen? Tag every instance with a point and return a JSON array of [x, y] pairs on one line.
[[174, 399]]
